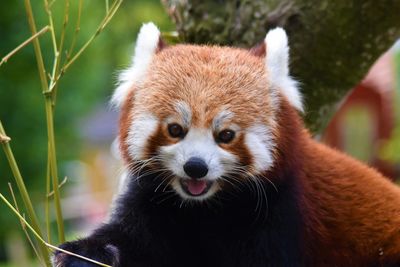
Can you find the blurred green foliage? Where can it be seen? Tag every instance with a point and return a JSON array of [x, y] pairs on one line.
[[86, 84]]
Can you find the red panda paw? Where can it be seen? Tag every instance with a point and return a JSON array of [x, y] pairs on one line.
[[107, 254]]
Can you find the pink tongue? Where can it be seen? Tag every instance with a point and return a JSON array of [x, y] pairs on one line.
[[196, 187]]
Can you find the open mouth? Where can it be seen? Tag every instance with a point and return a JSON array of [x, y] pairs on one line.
[[194, 187]]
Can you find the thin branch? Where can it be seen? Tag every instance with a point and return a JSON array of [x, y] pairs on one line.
[[24, 192], [51, 3], [100, 28], [113, 10], [65, 23], [59, 53], [63, 182], [77, 30], [47, 8], [107, 6], [24, 226], [42, 240], [29, 40]]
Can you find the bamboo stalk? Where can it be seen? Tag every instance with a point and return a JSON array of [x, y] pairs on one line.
[[38, 236], [47, 199], [24, 193], [36, 46], [49, 113], [49, 91], [53, 166], [4, 138]]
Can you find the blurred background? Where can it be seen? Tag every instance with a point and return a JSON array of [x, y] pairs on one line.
[[367, 124]]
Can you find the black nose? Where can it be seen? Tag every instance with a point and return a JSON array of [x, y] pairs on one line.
[[195, 168]]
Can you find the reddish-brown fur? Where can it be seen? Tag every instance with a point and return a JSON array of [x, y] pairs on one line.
[[358, 209], [352, 212], [125, 121]]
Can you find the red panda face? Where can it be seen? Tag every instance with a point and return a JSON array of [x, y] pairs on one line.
[[205, 117]]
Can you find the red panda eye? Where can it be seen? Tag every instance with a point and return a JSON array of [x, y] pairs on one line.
[[175, 130], [225, 136]]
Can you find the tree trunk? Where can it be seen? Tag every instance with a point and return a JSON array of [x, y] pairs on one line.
[[333, 43]]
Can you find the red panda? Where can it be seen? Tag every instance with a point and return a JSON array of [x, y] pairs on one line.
[[220, 170]]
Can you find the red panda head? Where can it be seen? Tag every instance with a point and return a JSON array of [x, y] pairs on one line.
[[203, 116]]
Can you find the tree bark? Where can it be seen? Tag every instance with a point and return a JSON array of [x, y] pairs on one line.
[[333, 43]]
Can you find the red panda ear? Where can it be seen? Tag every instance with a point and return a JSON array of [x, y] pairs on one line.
[[277, 64], [259, 50], [148, 43]]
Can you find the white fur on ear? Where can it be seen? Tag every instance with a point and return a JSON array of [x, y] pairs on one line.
[[277, 63], [146, 46]]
